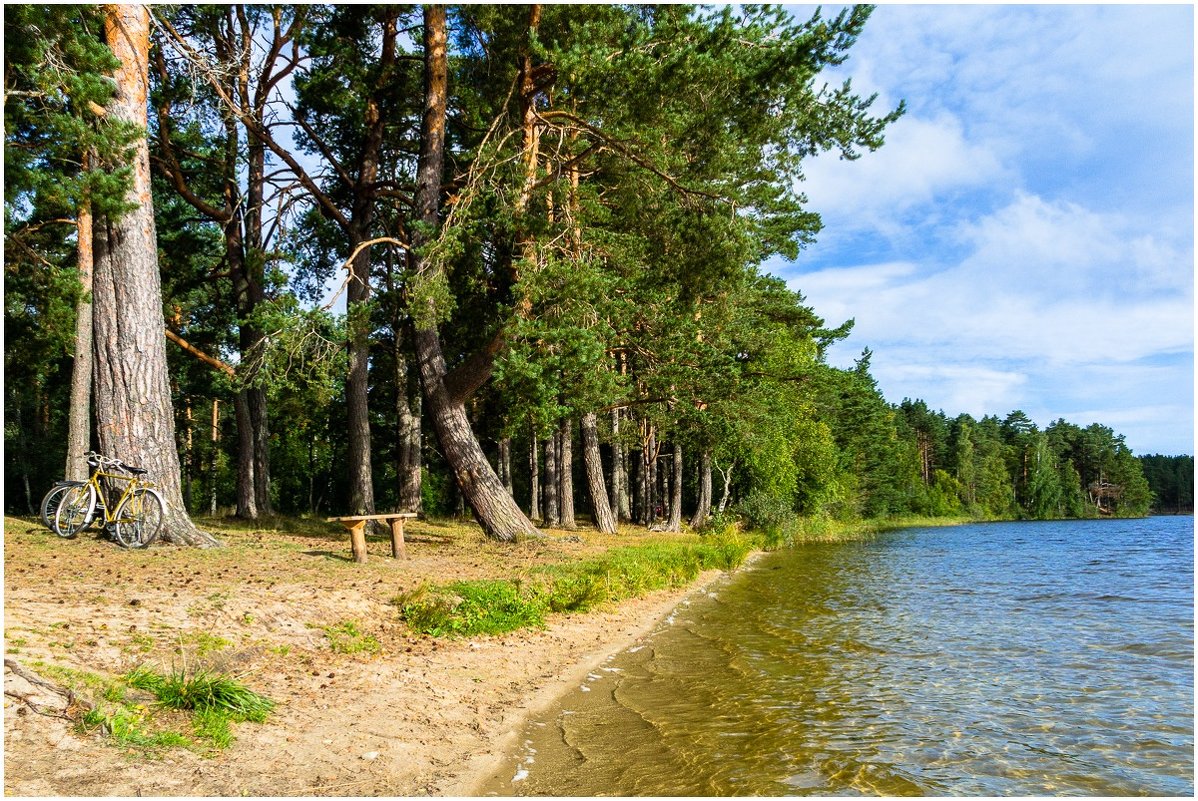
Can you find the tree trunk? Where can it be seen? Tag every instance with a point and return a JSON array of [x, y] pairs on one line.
[[549, 493], [565, 474], [79, 432], [601, 510], [619, 474], [189, 455], [361, 480], [212, 457], [675, 523], [727, 476], [494, 508], [534, 478], [260, 429], [649, 454], [247, 504], [410, 437], [361, 493], [704, 502], [135, 420], [505, 463]]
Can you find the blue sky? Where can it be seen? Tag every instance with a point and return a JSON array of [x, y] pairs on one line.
[[1025, 238]]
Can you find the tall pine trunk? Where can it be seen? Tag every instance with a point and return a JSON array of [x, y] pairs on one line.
[[551, 484], [505, 463], [565, 474], [494, 508], [601, 510], [247, 502], [135, 419], [357, 383], [675, 521], [703, 510], [411, 438], [619, 472], [79, 431], [534, 478]]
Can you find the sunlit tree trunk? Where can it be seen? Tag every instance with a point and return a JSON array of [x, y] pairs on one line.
[[601, 510], [551, 484], [675, 521], [565, 474], [703, 509], [534, 478], [135, 419], [79, 421]]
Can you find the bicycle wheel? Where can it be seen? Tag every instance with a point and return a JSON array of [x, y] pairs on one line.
[[50, 503], [139, 519], [75, 510]]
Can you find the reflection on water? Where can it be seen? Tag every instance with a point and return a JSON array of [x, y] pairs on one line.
[[1001, 659]]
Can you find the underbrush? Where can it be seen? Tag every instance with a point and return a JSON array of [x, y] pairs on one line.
[[468, 608]]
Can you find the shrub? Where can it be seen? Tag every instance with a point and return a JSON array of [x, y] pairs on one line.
[[764, 512]]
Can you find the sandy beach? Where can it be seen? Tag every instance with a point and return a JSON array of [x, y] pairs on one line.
[[422, 716]]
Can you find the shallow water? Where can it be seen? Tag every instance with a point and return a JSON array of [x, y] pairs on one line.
[[998, 659]]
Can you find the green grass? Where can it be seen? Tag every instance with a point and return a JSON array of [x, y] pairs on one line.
[[143, 710], [469, 608], [203, 691], [345, 638]]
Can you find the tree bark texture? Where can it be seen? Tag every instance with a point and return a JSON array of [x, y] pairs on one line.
[[727, 496], [135, 418], [494, 508], [505, 463], [601, 510], [565, 474], [534, 478], [703, 506], [411, 437], [675, 522], [259, 425], [79, 427], [618, 475], [247, 503], [551, 484]]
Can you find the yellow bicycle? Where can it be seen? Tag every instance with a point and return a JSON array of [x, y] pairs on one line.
[[134, 519]]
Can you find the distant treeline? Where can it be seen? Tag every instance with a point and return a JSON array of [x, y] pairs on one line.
[[1171, 479]]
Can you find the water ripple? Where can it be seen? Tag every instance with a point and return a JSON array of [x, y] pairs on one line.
[[1021, 659]]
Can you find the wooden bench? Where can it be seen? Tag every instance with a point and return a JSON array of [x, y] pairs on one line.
[[357, 532]]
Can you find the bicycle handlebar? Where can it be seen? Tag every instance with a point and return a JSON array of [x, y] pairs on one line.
[[100, 460]]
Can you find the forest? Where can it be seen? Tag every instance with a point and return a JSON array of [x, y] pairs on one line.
[[500, 261]]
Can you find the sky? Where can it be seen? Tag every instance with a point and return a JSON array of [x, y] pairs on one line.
[[1025, 237]]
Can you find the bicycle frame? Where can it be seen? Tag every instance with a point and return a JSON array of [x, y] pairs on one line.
[[132, 482]]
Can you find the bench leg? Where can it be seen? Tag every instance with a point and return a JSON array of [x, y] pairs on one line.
[[357, 541], [398, 549]]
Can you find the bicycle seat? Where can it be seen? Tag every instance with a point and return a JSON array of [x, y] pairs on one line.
[[137, 471]]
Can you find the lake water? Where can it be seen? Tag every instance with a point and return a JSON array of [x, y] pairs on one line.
[[997, 659]]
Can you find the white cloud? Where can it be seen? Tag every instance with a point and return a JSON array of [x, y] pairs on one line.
[[969, 388], [1024, 239], [1061, 248], [923, 160]]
